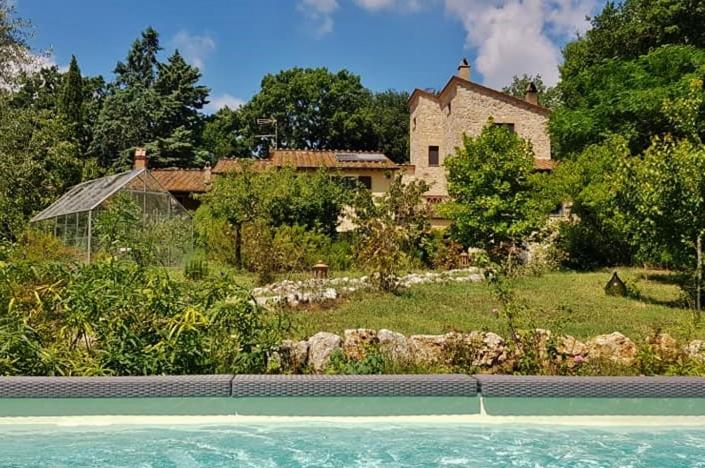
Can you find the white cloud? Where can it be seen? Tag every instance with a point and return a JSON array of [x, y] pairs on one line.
[[224, 100], [194, 48], [512, 37], [396, 5], [320, 14]]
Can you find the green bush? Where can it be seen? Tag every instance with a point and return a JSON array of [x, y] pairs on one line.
[[121, 318]]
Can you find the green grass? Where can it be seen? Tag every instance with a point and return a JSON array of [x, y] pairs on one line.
[[564, 302]]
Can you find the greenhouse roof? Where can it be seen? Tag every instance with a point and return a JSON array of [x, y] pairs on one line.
[[87, 195]]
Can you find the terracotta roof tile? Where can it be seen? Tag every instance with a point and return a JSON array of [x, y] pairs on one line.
[[313, 159], [181, 180]]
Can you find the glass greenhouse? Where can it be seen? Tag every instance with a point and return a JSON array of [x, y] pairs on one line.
[[128, 214]]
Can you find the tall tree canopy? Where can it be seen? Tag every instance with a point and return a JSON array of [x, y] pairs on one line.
[[626, 97], [632, 28], [151, 104], [14, 51], [319, 109]]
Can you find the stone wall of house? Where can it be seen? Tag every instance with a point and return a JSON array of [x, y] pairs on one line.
[[465, 110], [426, 130]]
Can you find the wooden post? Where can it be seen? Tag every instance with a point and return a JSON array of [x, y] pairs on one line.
[[699, 274]]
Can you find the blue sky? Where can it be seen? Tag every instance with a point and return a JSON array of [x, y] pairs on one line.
[[399, 44]]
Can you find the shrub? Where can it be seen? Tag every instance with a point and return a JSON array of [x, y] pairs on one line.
[[196, 269]]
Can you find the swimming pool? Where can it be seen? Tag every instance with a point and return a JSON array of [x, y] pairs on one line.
[[352, 421], [336, 444]]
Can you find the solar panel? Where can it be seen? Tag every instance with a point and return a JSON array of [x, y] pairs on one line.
[[360, 157]]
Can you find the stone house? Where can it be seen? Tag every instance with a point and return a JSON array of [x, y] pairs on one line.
[[373, 170], [439, 120]]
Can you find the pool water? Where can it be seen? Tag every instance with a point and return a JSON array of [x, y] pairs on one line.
[[369, 444]]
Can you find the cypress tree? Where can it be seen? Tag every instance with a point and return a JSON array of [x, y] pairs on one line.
[[71, 98]]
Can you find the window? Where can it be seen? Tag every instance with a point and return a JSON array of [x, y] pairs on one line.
[[414, 124], [432, 156], [366, 181], [507, 125]]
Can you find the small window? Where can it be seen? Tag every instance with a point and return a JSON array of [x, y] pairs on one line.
[[508, 126], [449, 108], [365, 181], [433, 156], [414, 125]]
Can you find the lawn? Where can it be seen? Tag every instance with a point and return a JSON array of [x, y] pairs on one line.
[[565, 302]]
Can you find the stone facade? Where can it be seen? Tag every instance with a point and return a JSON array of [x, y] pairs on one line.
[[463, 108]]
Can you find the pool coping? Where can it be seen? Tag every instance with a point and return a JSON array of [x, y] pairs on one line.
[[429, 385]]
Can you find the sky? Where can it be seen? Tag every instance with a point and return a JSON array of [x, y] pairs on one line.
[[391, 44]]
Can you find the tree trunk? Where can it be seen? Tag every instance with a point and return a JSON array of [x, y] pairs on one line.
[[699, 275], [238, 245]]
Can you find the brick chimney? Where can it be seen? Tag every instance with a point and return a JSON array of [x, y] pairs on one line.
[[531, 95], [464, 69], [207, 175], [140, 161]]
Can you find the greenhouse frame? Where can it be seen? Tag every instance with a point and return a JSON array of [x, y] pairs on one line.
[[92, 218]]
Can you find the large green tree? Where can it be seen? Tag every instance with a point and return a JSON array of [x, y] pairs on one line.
[[38, 162], [628, 98], [70, 102], [14, 51], [629, 29], [152, 104], [492, 185], [222, 135]]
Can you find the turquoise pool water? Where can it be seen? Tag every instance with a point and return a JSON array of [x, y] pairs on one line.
[[334, 445]]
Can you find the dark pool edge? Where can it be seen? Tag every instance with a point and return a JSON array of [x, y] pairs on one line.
[[352, 395]]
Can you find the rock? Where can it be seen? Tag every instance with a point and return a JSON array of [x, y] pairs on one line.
[[665, 345], [428, 349], [329, 294], [571, 351], [614, 347], [395, 345], [491, 349], [294, 355], [696, 350], [320, 347], [356, 342]]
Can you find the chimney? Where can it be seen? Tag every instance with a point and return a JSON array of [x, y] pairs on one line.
[[464, 69], [140, 159], [531, 94], [207, 175]]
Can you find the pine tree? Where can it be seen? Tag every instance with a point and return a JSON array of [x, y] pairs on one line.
[[141, 61], [71, 99]]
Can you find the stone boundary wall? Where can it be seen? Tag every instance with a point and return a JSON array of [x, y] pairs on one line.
[[267, 386], [485, 351], [295, 293]]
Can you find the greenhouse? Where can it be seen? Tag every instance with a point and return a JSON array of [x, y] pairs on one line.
[[127, 214]]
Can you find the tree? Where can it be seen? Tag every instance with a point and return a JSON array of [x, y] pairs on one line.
[[626, 97], [664, 199], [390, 119], [632, 28], [549, 96], [38, 162], [151, 104], [314, 108], [390, 230], [598, 233], [140, 65], [14, 51], [492, 185], [222, 135], [70, 102], [275, 197]]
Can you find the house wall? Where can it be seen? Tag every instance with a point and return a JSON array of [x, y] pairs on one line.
[[381, 180], [438, 124]]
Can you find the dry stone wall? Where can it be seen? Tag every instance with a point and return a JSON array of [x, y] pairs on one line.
[[484, 352]]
